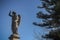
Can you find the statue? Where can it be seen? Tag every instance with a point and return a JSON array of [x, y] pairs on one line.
[[15, 22]]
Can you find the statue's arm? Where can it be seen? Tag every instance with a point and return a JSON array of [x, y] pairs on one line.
[[19, 19], [10, 14]]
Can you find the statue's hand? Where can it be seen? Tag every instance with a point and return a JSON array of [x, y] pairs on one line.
[[10, 14]]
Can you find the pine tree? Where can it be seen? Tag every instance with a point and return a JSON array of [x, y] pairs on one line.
[[50, 20]]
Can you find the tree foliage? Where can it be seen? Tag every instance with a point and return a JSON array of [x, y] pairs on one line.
[[52, 19]]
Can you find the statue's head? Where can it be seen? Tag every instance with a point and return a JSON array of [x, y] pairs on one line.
[[13, 13]]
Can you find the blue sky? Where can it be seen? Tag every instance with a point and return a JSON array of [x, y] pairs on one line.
[[27, 9]]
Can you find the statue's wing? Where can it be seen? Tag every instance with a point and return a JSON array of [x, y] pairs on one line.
[[19, 19]]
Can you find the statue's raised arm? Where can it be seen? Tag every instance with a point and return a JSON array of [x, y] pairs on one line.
[[10, 14]]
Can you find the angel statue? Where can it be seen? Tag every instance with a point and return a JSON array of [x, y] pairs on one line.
[[15, 21]]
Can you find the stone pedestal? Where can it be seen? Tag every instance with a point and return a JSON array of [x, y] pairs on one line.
[[14, 37]]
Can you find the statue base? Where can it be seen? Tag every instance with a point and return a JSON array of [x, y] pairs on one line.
[[14, 37]]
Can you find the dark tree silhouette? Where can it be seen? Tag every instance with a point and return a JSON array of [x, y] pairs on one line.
[[52, 19]]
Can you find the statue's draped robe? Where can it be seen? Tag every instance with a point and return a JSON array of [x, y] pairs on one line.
[[14, 29], [15, 23]]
